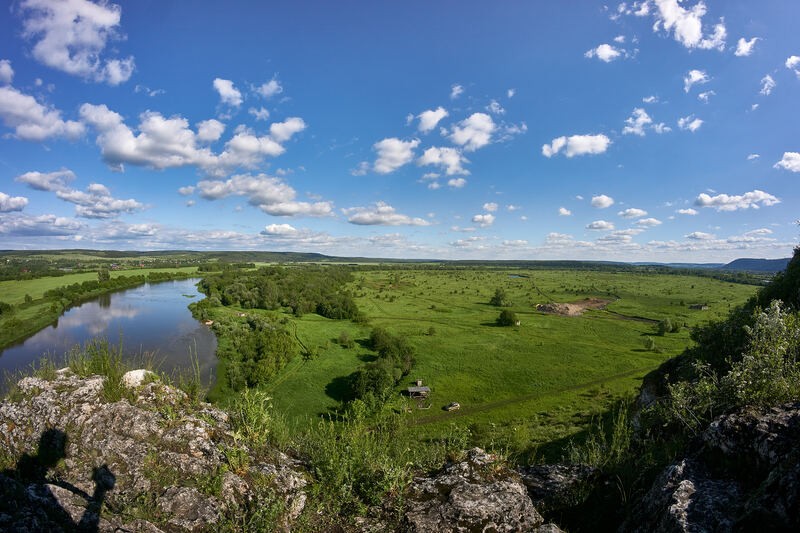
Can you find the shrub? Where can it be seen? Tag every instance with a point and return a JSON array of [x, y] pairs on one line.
[[506, 318]]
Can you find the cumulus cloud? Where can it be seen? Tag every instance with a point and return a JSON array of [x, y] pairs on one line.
[[686, 25], [577, 145], [450, 159], [564, 212], [38, 226], [271, 195], [745, 46], [793, 64], [483, 220], [602, 201], [32, 121], [169, 142], [95, 202], [12, 203], [604, 52], [186, 191], [490, 206], [767, 84], [700, 236], [473, 132], [752, 157], [652, 99], [279, 229], [381, 214], [455, 91], [270, 88], [430, 118], [661, 128], [210, 130], [648, 222], [71, 36], [6, 72], [790, 161], [511, 92], [456, 183], [632, 212], [636, 123], [600, 225], [228, 93], [690, 123], [495, 108], [259, 114], [694, 77], [688, 211], [749, 200], [393, 153], [705, 96]]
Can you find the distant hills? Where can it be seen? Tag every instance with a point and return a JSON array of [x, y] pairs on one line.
[[757, 265]]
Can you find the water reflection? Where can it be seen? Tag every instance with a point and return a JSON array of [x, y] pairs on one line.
[[150, 319]]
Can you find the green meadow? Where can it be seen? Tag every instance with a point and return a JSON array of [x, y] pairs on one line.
[[519, 387]]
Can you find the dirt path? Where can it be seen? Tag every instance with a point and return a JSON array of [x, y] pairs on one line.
[[466, 411]]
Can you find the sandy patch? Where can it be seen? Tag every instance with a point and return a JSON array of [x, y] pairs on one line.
[[573, 308]]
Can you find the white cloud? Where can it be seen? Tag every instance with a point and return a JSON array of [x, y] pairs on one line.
[[648, 222], [512, 207], [564, 212], [789, 161], [688, 211], [430, 118], [793, 64], [694, 77], [139, 88], [210, 130], [495, 107], [71, 36], [361, 169], [517, 243], [271, 195], [490, 206], [705, 96], [270, 89], [690, 123], [279, 229], [745, 47], [12, 203], [6, 72], [455, 91], [700, 236], [169, 142], [600, 225], [511, 92], [33, 121], [228, 94], [751, 157], [95, 202], [187, 190], [723, 202], [636, 122], [456, 183], [381, 214], [393, 154], [632, 212], [602, 201], [767, 84], [652, 99], [38, 226], [661, 128], [473, 132], [577, 145], [283, 131], [620, 39], [687, 25], [259, 114], [604, 52], [451, 159], [483, 220]]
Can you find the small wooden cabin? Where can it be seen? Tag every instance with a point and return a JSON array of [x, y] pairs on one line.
[[419, 390]]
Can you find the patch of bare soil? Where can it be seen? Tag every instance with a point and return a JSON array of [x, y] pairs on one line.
[[573, 308]]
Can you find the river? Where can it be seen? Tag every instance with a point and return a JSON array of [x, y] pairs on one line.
[[151, 320]]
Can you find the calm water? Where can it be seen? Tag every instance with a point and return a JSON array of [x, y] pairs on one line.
[[149, 319]]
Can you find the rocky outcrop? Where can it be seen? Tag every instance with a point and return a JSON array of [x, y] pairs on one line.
[[557, 487], [153, 461], [477, 494], [743, 476]]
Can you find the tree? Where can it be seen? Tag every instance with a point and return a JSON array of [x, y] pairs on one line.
[[103, 275], [507, 318], [500, 299]]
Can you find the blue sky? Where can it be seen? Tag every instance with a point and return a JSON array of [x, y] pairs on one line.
[[641, 131]]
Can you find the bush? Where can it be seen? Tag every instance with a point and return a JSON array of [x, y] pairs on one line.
[[506, 318], [500, 299]]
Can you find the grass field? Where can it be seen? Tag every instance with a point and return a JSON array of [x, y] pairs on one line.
[[518, 386]]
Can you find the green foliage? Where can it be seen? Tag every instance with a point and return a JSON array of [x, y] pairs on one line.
[[103, 275], [345, 341], [606, 444], [500, 298], [649, 344], [6, 309], [506, 318], [667, 326], [99, 357]]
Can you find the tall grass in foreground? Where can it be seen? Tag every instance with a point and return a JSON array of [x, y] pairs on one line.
[[100, 357]]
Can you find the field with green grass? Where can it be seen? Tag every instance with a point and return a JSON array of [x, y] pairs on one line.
[[518, 386]]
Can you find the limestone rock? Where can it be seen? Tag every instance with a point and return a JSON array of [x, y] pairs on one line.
[[477, 494], [557, 486]]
